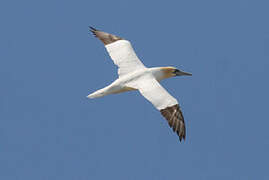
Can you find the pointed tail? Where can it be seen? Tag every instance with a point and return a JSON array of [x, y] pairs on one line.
[[96, 94]]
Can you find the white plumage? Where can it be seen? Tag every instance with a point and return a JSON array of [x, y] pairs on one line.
[[123, 55], [133, 75]]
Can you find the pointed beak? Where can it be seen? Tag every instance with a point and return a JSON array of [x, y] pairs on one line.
[[186, 74], [182, 73]]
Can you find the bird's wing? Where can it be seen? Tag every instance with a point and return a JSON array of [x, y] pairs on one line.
[[120, 51], [152, 90]]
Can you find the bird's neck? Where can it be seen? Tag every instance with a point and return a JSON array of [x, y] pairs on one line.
[[159, 73]]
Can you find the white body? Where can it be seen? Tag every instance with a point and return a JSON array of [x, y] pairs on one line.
[[142, 80], [121, 84], [133, 75]]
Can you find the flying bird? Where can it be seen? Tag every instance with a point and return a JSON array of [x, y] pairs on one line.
[[133, 75]]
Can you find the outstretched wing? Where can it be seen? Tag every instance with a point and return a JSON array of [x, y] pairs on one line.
[[152, 90], [120, 51]]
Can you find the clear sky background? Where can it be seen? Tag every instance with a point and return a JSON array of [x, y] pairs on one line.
[[49, 63]]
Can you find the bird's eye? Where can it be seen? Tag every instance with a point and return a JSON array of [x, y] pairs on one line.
[[176, 71]]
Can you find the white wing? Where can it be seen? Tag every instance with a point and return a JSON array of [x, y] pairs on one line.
[[123, 55], [120, 51], [151, 89]]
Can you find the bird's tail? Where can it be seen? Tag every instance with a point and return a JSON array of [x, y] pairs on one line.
[[96, 94], [99, 93]]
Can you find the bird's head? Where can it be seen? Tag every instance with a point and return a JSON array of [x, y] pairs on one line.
[[172, 71]]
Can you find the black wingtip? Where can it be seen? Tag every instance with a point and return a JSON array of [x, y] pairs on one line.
[[92, 28], [181, 137]]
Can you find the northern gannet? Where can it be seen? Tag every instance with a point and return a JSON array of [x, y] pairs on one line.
[[133, 75]]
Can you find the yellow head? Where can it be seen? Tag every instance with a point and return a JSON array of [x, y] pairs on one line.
[[172, 71]]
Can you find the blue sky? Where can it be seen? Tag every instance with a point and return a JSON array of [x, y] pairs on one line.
[[49, 64]]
